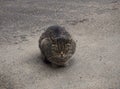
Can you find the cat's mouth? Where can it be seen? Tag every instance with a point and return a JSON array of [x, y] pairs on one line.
[[58, 59]]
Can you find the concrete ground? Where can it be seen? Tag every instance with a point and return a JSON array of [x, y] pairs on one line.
[[95, 26]]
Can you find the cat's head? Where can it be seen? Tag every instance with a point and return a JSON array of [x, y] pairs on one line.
[[62, 47]]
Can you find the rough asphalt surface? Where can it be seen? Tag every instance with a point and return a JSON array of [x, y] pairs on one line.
[[94, 24]]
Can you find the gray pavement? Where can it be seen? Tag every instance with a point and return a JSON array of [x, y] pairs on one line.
[[94, 24]]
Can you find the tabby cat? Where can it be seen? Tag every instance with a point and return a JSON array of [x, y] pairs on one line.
[[57, 45]]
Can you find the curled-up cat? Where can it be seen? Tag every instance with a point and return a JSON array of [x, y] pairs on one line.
[[57, 45]]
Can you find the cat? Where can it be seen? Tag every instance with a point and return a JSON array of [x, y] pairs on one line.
[[57, 45]]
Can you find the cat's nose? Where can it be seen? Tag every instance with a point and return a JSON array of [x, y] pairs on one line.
[[62, 54]]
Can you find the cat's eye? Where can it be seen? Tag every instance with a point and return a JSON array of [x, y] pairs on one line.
[[68, 44], [54, 45]]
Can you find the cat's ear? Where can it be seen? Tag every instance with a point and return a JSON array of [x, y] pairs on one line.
[[63, 29]]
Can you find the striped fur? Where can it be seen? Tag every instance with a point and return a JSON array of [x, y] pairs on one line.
[[57, 45]]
